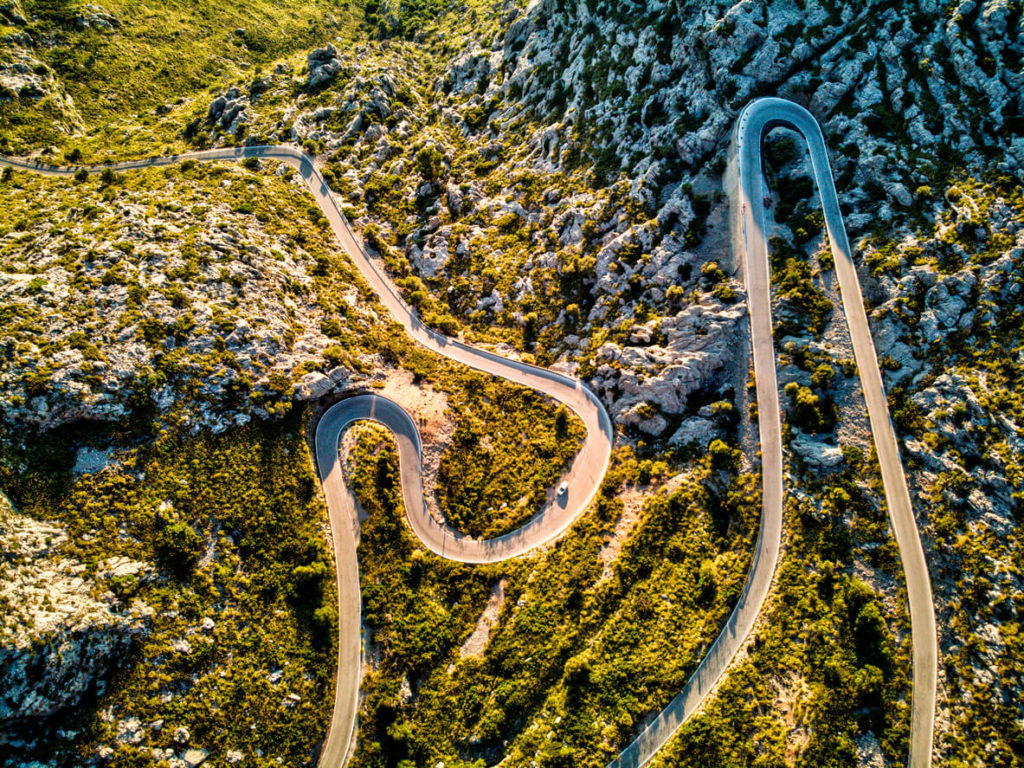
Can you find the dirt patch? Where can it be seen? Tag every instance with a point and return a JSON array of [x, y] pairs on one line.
[[716, 244], [429, 408], [476, 642], [791, 695], [632, 499]]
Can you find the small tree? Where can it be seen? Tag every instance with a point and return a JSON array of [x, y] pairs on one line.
[[561, 423], [822, 376], [430, 163], [724, 456], [178, 548]]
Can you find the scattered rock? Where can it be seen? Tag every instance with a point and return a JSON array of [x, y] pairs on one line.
[[194, 757]]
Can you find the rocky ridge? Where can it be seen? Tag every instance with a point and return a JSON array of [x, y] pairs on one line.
[[657, 104], [130, 305], [63, 628]]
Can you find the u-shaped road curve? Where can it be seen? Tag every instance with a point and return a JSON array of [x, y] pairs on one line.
[[751, 231], [590, 464]]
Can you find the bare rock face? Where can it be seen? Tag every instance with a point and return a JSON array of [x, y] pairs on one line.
[[228, 110], [434, 255], [11, 13], [947, 304], [470, 72], [62, 630], [697, 431], [682, 88], [19, 79], [323, 65], [194, 757], [666, 361]]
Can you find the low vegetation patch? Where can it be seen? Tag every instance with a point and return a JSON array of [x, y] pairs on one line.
[[239, 647]]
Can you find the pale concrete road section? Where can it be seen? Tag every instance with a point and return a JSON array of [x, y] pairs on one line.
[[748, 200]]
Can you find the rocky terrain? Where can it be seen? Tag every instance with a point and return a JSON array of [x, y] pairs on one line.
[[949, 307], [469, 181], [498, 223], [155, 297], [26, 79], [63, 628]]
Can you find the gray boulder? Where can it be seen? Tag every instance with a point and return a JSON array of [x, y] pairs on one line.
[[815, 452], [323, 65], [697, 431], [227, 108]]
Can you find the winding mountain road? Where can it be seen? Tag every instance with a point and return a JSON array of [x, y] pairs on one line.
[[589, 466], [750, 190]]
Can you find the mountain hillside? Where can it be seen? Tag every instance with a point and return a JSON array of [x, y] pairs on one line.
[[549, 180]]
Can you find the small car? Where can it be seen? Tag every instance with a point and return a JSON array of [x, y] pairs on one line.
[[767, 201], [563, 488]]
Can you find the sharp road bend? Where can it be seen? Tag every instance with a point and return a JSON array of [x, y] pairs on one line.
[[751, 236], [589, 467]]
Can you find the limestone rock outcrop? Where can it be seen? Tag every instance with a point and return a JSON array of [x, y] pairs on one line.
[[62, 630]]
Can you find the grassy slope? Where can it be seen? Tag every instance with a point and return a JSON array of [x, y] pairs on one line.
[[574, 654], [561, 686], [575, 661], [162, 52]]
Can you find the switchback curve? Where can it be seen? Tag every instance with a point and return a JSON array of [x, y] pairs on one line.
[[746, 175], [558, 513]]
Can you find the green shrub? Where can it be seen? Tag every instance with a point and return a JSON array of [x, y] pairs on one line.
[[430, 163], [178, 548], [724, 456]]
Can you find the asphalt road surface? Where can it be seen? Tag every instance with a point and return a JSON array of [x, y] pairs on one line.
[[589, 466], [751, 236]]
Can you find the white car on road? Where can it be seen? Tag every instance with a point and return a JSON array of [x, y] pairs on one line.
[[563, 488]]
